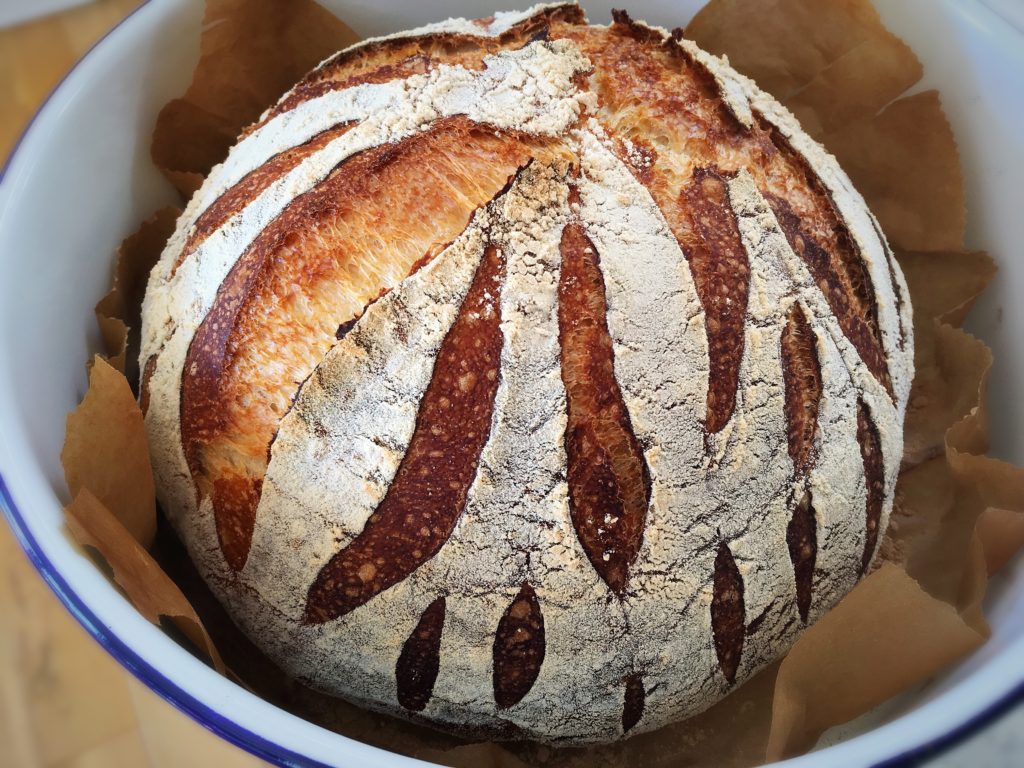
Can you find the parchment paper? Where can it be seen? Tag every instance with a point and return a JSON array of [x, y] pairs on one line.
[[106, 452], [136, 572], [118, 313], [251, 52]]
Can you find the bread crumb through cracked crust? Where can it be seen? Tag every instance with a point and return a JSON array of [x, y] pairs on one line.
[[341, 444]]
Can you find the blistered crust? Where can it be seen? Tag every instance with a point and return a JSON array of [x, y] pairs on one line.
[[538, 608]]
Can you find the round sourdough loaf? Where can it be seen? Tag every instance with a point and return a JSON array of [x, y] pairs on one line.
[[528, 378]]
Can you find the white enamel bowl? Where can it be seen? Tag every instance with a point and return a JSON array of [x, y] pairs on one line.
[[81, 180]]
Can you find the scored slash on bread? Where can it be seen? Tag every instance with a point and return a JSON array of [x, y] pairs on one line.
[[609, 484], [529, 378]]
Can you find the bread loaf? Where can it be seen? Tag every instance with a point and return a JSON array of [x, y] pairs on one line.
[[527, 378]]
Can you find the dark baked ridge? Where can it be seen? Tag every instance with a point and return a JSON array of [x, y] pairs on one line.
[[609, 486], [518, 648], [728, 614], [633, 701], [802, 543], [721, 276], [419, 661], [251, 185], [874, 476], [801, 375]]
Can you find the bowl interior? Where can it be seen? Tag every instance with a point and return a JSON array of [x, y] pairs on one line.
[[81, 180]]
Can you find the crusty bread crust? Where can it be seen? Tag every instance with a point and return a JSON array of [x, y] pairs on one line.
[[527, 378]]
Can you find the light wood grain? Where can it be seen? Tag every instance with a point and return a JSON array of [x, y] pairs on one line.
[[64, 703]]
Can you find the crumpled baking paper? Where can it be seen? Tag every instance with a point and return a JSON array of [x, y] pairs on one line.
[[106, 452], [135, 571], [119, 312], [251, 52]]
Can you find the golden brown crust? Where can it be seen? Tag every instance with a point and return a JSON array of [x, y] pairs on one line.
[[438, 46], [250, 186], [315, 268], [235, 498], [415, 63]]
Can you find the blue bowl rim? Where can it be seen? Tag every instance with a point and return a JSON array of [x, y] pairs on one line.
[[228, 729]]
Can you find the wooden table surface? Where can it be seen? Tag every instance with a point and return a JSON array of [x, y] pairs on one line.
[[64, 703]]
